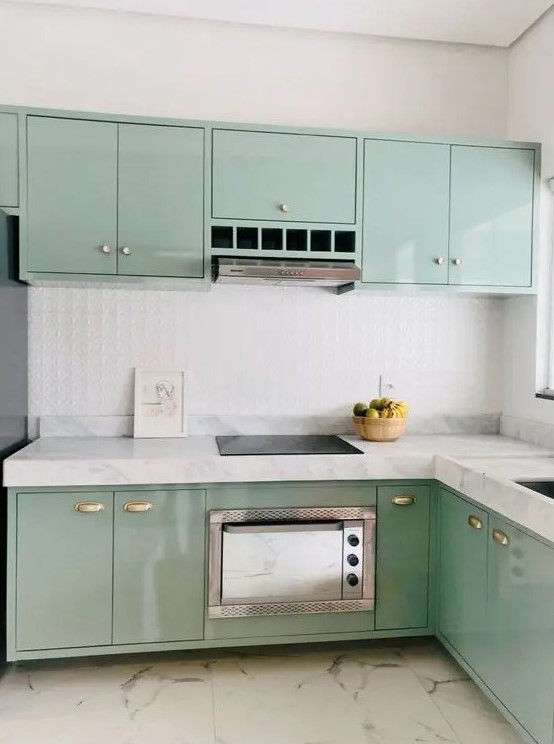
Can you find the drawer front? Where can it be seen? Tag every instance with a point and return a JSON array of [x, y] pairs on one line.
[[288, 177]]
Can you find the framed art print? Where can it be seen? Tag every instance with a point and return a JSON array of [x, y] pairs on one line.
[[159, 404]]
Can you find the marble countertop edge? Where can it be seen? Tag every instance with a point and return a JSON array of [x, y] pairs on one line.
[[482, 467]]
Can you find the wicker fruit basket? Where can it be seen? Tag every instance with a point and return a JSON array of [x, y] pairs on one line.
[[379, 429]]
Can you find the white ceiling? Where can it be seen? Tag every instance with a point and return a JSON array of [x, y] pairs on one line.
[[490, 22]]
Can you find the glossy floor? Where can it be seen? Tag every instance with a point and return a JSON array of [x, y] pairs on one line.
[[351, 694]]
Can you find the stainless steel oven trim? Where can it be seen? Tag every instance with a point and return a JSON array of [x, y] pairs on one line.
[[214, 565], [300, 527], [288, 608], [278, 513], [368, 577], [217, 519]]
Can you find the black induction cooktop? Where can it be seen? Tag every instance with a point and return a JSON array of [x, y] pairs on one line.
[[319, 444]]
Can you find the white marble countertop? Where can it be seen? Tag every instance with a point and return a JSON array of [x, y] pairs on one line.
[[482, 467]]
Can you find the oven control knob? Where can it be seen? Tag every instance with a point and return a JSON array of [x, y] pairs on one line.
[[352, 560], [353, 540], [352, 580]]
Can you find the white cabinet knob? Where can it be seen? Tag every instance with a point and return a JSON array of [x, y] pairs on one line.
[[457, 262], [285, 207], [126, 250], [106, 249], [439, 260]]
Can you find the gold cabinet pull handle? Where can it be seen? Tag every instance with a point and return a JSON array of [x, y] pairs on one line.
[[88, 507], [404, 500], [500, 537], [475, 522], [137, 506]]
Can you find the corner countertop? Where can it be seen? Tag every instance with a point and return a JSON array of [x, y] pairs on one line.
[[481, 467]]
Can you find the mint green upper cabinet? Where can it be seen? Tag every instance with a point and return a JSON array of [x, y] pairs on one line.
[[161, 201], [72, 196], [64, 570], [288, 177], [491, 216], [158, 566], [462, 579], [405, 216], [402, 581], [518, 659], [9, 169]]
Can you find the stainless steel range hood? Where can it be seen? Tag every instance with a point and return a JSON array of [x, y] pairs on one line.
[[293, 273]]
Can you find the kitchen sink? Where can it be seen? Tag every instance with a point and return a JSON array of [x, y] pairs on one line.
[[545, 487]]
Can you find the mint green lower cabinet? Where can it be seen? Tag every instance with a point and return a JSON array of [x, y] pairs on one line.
[[161, 201], [403, 543], [406, 207], [64, 570], [491, 216], [72, 196], [462, 577], [518, 658], [9, 160], [158, 566]]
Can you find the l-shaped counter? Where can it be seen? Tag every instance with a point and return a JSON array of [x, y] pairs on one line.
[[472, 560]]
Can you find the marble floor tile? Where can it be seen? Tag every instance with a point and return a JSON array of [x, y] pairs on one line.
[[360, 697], [167, 702], [340, 694]]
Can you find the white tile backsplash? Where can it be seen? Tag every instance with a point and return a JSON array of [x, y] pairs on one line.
[[268, 351]]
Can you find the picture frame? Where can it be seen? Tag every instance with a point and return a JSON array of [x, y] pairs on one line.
[[159, 404]]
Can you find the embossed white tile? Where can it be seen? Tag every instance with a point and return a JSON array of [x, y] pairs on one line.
[[271, 351]]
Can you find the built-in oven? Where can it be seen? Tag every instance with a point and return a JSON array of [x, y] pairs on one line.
[[275, 561]]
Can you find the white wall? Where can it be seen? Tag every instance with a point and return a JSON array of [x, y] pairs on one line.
[[254, 351], [531, 117], [126, 63]]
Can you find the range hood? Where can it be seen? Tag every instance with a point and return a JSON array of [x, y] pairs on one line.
[[293, 273]]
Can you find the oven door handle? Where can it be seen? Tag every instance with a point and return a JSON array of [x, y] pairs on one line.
[[244, 529]]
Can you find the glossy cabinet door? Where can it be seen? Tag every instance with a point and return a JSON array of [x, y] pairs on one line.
[[518, 661], [491, 216], [158, 566], [72, 196], [406, 208], [161, 201], [402, 580], [9, 159], [64, 570], [462, 577], [279, 176]]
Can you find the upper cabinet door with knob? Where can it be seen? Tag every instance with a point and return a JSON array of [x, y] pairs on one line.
[[72, 196], [288, 177], [161, 201], [491, 216], [406, 206]]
